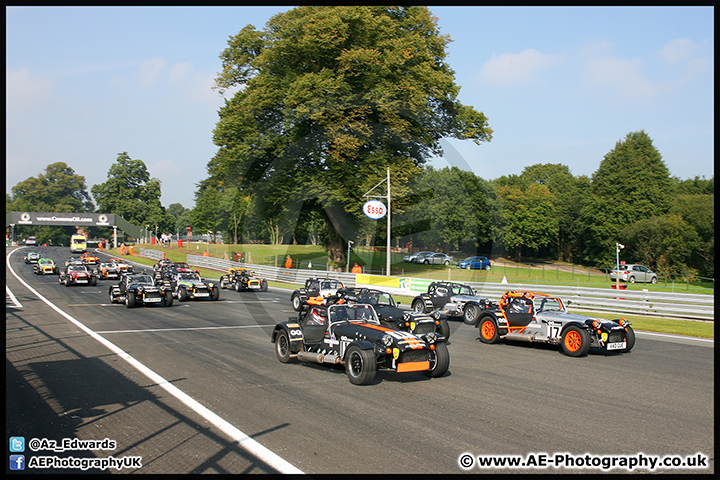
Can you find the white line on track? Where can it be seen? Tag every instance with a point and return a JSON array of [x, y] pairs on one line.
[[14, 300], [252, 446], [182, 328]]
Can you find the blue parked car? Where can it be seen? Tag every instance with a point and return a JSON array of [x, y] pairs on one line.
[[474, 263]]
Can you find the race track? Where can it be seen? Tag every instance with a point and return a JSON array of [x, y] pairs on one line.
[[197, 388]]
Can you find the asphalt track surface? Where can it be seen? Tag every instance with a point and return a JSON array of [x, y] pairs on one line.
[[197, 388]]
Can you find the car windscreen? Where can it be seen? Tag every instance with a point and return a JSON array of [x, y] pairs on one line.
[[548, 304], [352, 313], [141, 280], [462, 290]]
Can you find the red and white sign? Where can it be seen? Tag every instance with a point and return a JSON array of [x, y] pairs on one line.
[[374, 209]]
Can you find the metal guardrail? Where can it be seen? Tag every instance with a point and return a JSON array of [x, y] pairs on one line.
[[680, 305]]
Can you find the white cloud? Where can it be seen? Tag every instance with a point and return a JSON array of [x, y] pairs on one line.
[[623, 77], [677, 51], [150, 71], [516, 68], [24, 90]]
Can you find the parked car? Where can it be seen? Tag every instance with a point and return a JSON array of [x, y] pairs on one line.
[[474, 263], [351, 335], [435, 259], [634, 273], [537, 317], [411, 258]]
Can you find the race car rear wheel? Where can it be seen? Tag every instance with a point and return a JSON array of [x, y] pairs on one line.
[[282, 347], [575, 341], [444, 328], [418, 306], [360, 366], [439, 361], [470, 315], [488, 330]]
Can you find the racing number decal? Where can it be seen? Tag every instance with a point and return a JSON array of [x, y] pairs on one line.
[[553, 330]]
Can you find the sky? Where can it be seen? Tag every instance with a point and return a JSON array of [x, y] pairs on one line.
[[557, 84]]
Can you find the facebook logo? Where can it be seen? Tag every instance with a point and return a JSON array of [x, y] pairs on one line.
[[17, 462], [17, 444]]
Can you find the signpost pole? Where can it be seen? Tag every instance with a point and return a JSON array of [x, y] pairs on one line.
[[387, 254]]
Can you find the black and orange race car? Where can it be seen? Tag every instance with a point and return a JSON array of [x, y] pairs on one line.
[[351, 335], [538, 317], [89, 258], [392, 316]]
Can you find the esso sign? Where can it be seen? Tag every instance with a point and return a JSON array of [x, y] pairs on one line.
[[374, 209]]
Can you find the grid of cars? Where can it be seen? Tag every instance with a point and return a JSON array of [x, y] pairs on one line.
[[365, 330]]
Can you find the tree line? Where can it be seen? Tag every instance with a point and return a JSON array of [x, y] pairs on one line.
[[328, 98]]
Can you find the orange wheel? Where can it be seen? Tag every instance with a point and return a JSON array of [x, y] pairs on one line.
[[488, 330], [576, 341]]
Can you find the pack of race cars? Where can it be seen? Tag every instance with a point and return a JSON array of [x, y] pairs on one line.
[[363, 329]]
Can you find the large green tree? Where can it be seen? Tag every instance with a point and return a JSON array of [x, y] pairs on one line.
[[568, 192], [328, 98], [449, 211], [58, 189], [131, 193], [524, 215], [631, 184]]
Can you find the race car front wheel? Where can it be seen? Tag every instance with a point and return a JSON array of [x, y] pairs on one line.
[[360, 366], [470, 315], [168, 299], [630, 339], [439, 361], [488, 330], [575, 341], [129, 299], [296, 302]]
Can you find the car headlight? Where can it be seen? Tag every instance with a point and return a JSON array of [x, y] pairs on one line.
[[431, 337], [386, 340]]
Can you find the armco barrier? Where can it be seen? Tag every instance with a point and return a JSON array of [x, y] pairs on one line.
[[661, 304]]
